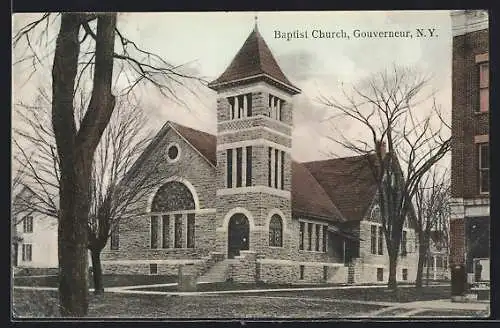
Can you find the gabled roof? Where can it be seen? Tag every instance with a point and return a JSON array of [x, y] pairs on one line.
[[254, 59], [309, 198], [349, 183], [204, 142]]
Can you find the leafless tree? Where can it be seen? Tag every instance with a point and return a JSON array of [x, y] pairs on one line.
[[389, 106], [85, 55], [432, 209], [115, 187]]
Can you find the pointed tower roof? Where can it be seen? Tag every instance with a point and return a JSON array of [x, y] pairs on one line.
[[254, 61]]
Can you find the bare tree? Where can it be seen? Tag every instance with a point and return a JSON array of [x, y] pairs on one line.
[[114, 190], [384, 105], [432, 204], [76, 60]]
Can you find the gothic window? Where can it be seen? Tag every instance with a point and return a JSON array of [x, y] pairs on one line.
[[276, 231], [375, 214], [154, 232]]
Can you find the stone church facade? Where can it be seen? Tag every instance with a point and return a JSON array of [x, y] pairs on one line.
[[239, 199]]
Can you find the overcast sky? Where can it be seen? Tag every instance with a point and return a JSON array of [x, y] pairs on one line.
[[208, 42]]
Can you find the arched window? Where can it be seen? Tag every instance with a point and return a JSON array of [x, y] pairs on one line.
[[173, 196], [276, 231]]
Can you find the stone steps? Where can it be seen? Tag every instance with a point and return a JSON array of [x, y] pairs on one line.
[[217, 273]]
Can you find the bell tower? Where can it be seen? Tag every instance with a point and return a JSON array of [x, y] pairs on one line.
[[254, 143]]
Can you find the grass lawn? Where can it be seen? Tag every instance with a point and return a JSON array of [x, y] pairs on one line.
[[28, 303], [108, 280]]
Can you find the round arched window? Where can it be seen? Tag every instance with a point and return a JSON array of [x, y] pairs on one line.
[[173, 152]]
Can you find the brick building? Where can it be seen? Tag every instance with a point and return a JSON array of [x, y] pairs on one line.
[[470, 220], [238, 201]]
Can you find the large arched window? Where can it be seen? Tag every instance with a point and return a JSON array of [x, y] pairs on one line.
[[173, 196], [276, 231]]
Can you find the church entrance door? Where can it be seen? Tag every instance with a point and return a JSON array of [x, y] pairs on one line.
[[238, 235]]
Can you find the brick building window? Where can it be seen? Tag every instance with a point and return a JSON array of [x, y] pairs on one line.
[[380, 241], [317, 237], [178, 231], [190, 230], [115, 237], [240, 106], [27, 252], [28, 224], [301, 235], [154, 232], [301, 272], [484, 168], [373, 236], [276, 231], [153, 268], [380, 274], [309, 236], [404, 251], [484, 72]]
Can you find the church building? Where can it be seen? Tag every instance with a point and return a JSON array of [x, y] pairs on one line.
[[236, 206]]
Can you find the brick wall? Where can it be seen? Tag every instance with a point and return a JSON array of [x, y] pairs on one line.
[[466, 121]]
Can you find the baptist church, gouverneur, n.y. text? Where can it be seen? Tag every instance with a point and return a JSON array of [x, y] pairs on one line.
[[237, 206]]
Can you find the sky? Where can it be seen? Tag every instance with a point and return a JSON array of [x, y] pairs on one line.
[[207, 42]]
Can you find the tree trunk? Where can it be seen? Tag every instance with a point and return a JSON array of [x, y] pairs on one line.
[[422, 254], [97, 271], [75, 174], [428, 269], [393, 263]]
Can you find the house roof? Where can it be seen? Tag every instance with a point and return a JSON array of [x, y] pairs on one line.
[[349, 183], [253, 59]]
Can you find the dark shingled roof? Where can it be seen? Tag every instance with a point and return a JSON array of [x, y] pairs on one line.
[[204, 142], [254, 58], [349, 183], [309, 198]]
